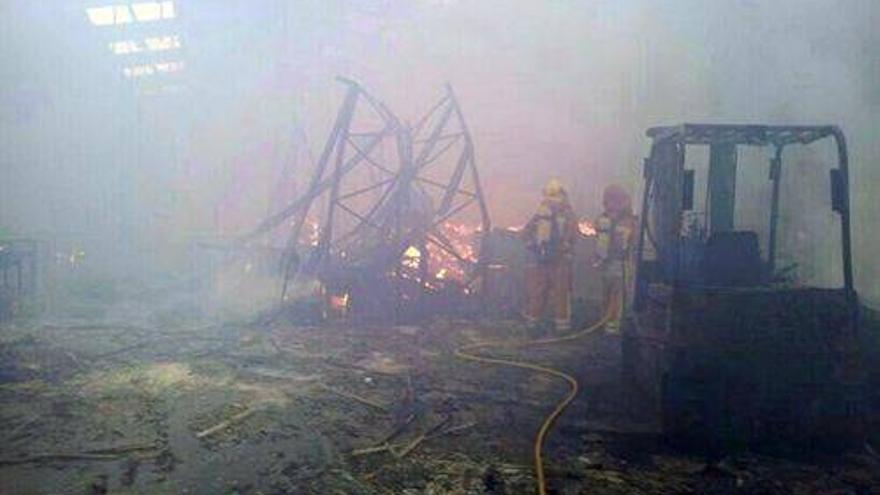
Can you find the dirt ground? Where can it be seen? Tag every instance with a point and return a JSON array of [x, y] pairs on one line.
[[109, 403]]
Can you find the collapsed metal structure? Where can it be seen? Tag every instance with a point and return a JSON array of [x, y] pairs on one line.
[[378, 208]]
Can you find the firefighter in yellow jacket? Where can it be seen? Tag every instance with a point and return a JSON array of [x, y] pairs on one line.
[[550, 235], [615, 229]]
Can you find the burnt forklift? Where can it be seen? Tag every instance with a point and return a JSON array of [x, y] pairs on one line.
[[738, 347]]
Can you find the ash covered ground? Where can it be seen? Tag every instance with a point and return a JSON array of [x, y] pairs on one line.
[[126, 391]]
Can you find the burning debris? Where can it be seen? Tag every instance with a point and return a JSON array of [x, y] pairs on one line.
[[586, 228], [465, 240], [385, 223], [393, 224]]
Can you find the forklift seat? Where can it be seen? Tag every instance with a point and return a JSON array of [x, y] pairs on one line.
[[733, 259]]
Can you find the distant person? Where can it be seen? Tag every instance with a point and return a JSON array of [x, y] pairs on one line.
[[615, 230], [549, 235]]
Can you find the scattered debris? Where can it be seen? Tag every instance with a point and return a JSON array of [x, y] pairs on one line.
[[152, 379], [226, 423], [378, 362], [108, 454], [400, 450], [411, 419], [354, 397], [420, 438]]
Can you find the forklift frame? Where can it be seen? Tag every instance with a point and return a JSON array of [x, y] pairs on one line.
[[736, 362], [749, 135]]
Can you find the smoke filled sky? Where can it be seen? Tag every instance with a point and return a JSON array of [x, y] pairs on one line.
[[550, 88]]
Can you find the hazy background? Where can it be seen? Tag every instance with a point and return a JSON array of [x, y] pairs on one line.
[[131, 168]]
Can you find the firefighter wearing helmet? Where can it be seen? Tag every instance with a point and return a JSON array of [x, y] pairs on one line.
[[615, 229], [550, 235]]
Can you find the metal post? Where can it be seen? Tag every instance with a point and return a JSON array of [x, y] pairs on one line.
[[640, 286], [342, 121], [776, 177], [846, 240], [341, 139], [478, 188], [722, 187]]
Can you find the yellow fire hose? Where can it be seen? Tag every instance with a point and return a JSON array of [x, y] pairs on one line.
[[465, 353]]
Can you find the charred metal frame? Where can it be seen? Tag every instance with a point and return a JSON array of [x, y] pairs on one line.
[[348, 150], [678, 137]]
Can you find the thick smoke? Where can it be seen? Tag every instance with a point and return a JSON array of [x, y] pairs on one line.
[[135, 169]]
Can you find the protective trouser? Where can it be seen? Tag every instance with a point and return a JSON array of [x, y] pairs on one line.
[[616, 276], [548, 287]]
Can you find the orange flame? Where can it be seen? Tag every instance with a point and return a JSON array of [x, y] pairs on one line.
[[339, 303], [462, 238], [412, 257], [313, 231], [587, 228]]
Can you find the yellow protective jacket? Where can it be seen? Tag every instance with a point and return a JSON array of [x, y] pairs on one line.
[[539, 230], [615, 237]]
